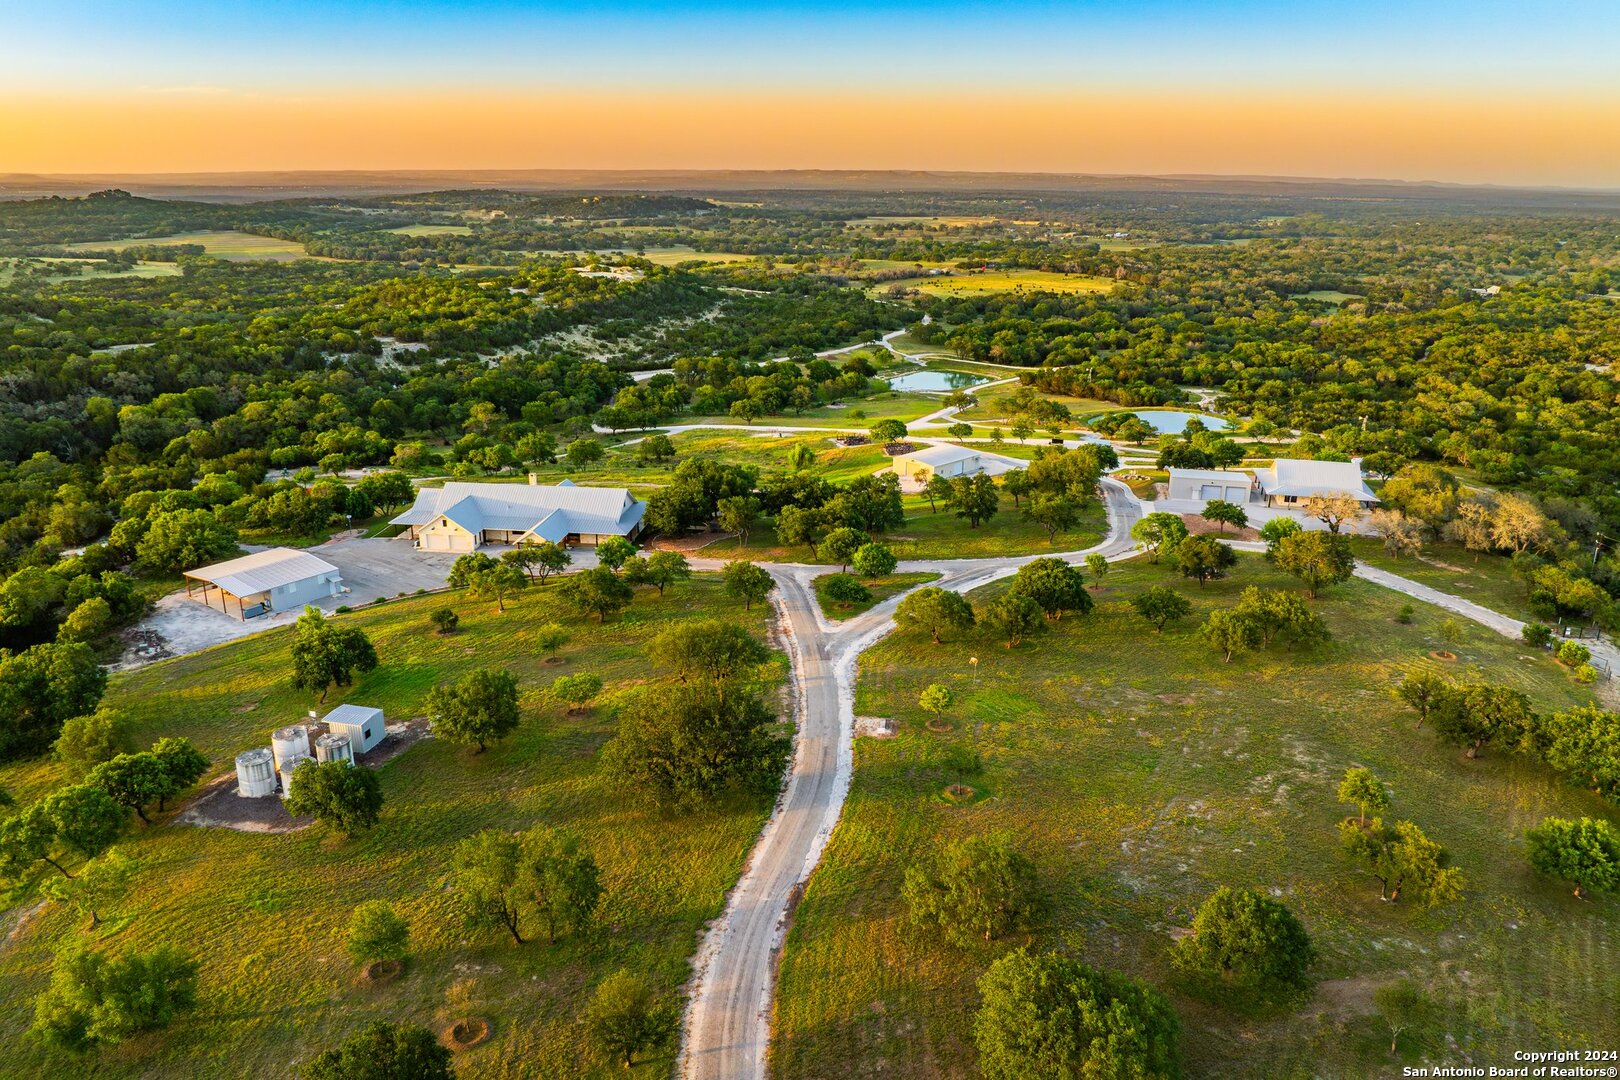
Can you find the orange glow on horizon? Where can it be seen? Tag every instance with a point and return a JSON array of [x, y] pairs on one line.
[[1521, 140]]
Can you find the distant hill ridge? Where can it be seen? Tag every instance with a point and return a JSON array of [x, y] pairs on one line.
[[244, 186]]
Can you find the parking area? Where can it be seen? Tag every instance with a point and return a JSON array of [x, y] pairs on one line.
[[386, 568], [372, 569]]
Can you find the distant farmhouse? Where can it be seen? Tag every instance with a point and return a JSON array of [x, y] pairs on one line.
[[461, 515], [931, 461], [280, 579]]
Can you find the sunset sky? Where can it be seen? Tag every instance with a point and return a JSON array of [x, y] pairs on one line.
[[1522, 93]]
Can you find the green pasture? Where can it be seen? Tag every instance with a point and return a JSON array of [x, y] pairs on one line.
[[1139, 772], [220, 243], [266, 913]]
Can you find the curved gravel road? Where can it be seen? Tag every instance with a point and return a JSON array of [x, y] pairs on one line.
[[727, 1028]]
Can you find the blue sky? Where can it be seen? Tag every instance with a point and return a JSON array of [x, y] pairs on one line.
[[254, 44]]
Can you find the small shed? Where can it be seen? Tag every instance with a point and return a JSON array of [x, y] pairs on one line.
[[948, 461], [363, 726], [279, 579]]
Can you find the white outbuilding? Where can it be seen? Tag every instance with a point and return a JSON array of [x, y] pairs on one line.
[[279, 579], [940, 460], [1207, 485], [364, 727]]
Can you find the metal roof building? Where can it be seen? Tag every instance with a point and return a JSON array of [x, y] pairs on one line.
[[938, 460], [1290, 480], [279, 579], [461, 515]]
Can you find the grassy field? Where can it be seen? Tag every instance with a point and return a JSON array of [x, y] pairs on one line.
[[222, 244], [265, 913], [856, 413], [670, 256], [432, 230], [881, 589], [929, 534], [1331, 296], [1487, 580], [97, 269], [1139, 772], [765, 451], [993, 403], [964, 283]]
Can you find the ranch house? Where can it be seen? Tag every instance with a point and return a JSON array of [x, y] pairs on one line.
[[461, 516]]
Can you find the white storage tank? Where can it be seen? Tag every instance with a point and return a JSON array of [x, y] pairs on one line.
[[334, 747], [255, 773], [290, 743]]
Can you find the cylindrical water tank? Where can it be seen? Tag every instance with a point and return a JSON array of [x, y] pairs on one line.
[[334, 747], [255, 773], [287, 743]]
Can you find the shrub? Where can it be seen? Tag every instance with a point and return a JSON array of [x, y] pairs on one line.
[[445, 620], [1573, 654], [377, 932], [1536, 635]]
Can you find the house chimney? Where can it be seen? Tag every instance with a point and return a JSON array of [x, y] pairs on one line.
[[533, 479]]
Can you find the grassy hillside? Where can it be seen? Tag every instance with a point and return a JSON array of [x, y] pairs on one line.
[[1140, 772], [266, 913]]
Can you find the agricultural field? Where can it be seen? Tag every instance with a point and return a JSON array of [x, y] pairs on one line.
[[1139, 773], [1330, 296], [973, 283], [674, 256], [220, 243], [59, 270], [266, 913], [947, 221]]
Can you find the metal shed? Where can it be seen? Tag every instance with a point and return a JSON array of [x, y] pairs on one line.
[[280, 579]]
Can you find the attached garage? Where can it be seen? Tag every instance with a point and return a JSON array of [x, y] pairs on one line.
[[1207, 485]]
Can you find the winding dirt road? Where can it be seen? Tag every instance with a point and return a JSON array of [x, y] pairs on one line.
[[727, 1028]]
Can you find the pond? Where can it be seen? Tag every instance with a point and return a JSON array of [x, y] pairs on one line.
[[932, 381], [1170, 422]]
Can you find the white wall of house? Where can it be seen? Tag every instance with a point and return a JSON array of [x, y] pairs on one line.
[[442, 534], [1233, 487]]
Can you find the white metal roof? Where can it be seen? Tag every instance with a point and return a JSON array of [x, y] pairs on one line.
[[351, 715], [263, 571], [1224, 475], [567, 507], [939, 455], [1302, 479]]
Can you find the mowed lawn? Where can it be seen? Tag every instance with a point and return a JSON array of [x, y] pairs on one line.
[[266, 914], [856, 414], [220, 243], [764, 450], [937, 533], [1140, 773]]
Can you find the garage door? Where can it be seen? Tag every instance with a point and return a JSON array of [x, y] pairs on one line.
[[1209, 491], [1237, 494]]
